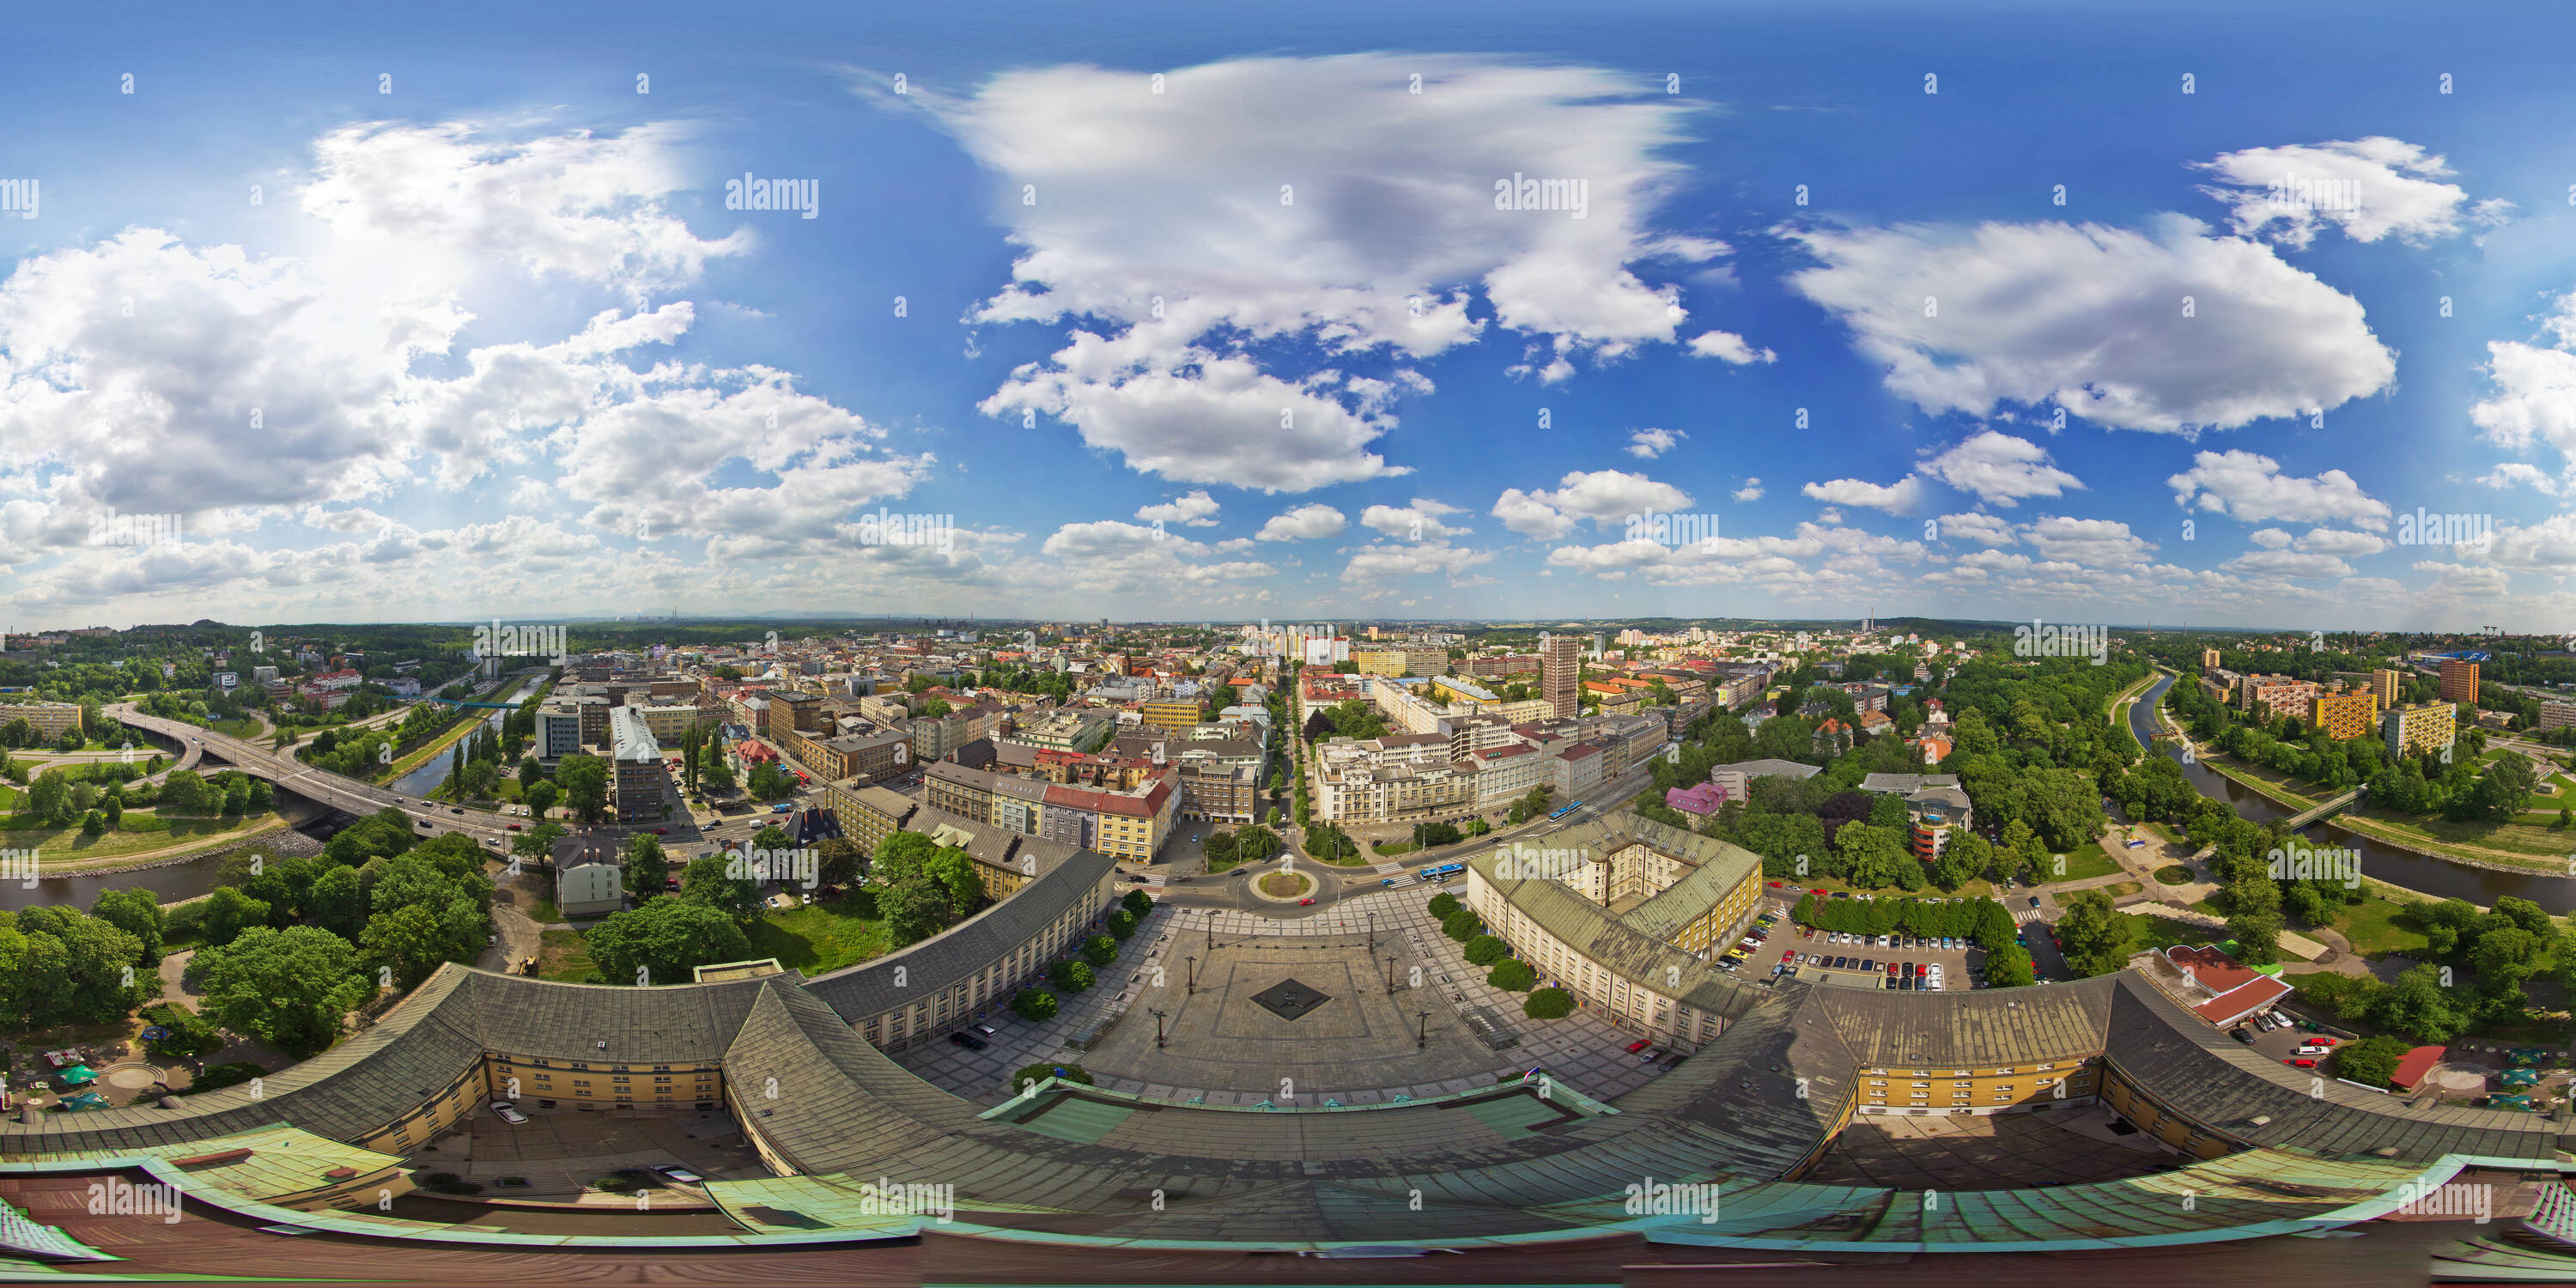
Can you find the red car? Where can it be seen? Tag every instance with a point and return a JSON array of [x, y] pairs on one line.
[[2300, 1064], [514, 827], [1640, 1045], [1891, 968], [2322, 1040], [1304, 902], [661, 831], [1775, 885], [1789, 956]]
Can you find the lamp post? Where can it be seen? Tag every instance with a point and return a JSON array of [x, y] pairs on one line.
[[1390, 974], [1158, 1027], [1190, 966], [1372, 932], [1422, 1038]]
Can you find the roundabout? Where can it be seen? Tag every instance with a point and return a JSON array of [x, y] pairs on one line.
[[1285, 886]]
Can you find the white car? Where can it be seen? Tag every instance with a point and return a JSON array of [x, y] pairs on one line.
[[683, 1175], [509, 1113]]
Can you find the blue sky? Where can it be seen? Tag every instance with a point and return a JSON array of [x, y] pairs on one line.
[[492, 344]]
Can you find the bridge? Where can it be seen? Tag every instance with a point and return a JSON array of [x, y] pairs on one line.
[[475, 706], [2336, 806]]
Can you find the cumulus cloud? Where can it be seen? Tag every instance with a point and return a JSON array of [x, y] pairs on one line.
[[2251, 488], [1651, 443], [1727, 346], [1900, 497], [1984, 529], [2534, 399], [2287, 563], [1305, 523], [2000, 469], [2370, 188], [1607, 497], [2097, 542], [1415, 522], [2337, 541], [1310, 199], [2513, 473], [2093, 319], [1751, 491], [1197, 510]]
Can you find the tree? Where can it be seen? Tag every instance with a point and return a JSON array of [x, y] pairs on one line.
[[190, 1034], [1121, 923], [2417, 1006], [2095, 939], [955, 873], [1485, 950], [183, 792], [839, 861], [1100, 950], [1137, 903], [540, 797], [336, 903], [710, 880], [662, 941], [49, 797], [646, 867], [289, 988], [1553, 1003], [2371, 1062], [229, 912], [1442, 904], [409, 939], [136, 913], [1462, 924], [584, 780], [1033, 1004], [2010, 967], [1070, 976], [1512, 975]]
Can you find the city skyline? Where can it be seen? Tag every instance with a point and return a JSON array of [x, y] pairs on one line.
[[1515, 325]]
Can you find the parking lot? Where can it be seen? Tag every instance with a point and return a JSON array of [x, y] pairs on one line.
[[2283, 1043], [1871, 958]]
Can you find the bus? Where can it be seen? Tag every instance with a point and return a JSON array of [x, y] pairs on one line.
[[1557, 814], [1443, 872]]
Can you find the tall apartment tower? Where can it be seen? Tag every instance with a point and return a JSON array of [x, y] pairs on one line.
[[2209, 659], [2384, 684], [1560, 662], [2459, 680]]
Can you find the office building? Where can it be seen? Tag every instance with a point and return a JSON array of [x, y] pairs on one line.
[[559, 730], [2556, 714], [2459, 680], [1560, 669], [639, 781]]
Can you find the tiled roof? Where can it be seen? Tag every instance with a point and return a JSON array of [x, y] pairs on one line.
[[965, 949]]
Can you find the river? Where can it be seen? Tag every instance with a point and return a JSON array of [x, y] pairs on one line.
[[175, 882], [2389, 863]]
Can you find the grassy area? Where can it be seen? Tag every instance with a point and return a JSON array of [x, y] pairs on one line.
[[138, 834], [820, 937], [2374, 928], [563, 957], [1978, 889], [1286, 885], [2164, 932], [1392, 848], [2268, 782], [2120, 888], [2174, 874], [544, 912], [2086, 860], [242, 728], [2206, 907], [1223, 865]]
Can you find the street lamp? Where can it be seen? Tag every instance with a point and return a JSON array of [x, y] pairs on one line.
[[1190, 966], [1423, 1038], [1390, 975], [1158, 1027]]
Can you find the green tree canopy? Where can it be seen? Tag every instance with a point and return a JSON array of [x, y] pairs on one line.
[[289, 988], [663, 941]]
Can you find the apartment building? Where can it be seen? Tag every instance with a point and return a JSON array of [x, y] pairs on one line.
[[1506, 773], [49, 719], [1561, 665], [639, 781], [2426, 726], [2351, 714], [2459, 680], [1130, 825], [2556, 714], [558, 730], [792, 713], [1169, 713], [2209, 659], [2279, 695], [1081, 729]]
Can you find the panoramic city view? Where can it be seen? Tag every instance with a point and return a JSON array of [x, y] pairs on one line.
[[1325, 645]]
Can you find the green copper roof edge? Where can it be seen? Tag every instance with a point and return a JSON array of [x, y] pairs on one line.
[[1557, 1092]]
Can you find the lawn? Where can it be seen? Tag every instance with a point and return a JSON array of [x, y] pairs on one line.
[[2174, 874], [563, 957], [2373, 927], [2119, 889], [243, 728], [139, 833], [2086, 860], [1391, 848], [2164, 932], [820, 937]]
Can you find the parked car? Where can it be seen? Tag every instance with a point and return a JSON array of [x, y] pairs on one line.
[[508, 1112], [987, 1030], [1652, 1054], [2326, 1041], [1640, 1045], [2312, 1048], [968, 1041], [1870, 965], [681, 1174], [2300, 1064]]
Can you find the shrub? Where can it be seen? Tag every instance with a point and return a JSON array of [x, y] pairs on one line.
[[1122, 923], [1070, 976], [2371, 1061], [1462, 925], [1485, 950], [1137, 902], [1041, 1072], [1513, 975], [1549, 1004], [1443, 903], [1034, 1004], [218, 1077], [190, 1033], [1100, 950]]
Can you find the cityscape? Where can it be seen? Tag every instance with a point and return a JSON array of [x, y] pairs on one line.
[[1337, 646]]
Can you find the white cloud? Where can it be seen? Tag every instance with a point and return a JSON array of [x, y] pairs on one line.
[[2252, 489], [2338, 541], [1196, 509], [1381, 560], [2092, 319], [1651, 443], [2288, 563], [1416, 522], [1305, 523], [1751, 491], [1984, 529], [2468, 581], [2518, 472], [1727, 346], [1900, 497], [2097, 542], [2000, 469], [1313, 199], [1607, 497], [2269, 538], [2534, 399], [2548, 546], [2371, 188]]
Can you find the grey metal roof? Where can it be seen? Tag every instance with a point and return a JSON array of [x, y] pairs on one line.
[[933, 965]]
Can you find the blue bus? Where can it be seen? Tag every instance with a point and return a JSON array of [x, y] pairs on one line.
[[1557, 814], [1443, 872]]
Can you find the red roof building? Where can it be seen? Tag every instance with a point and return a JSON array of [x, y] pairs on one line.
[[2232, 992], [2412, 1067]]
